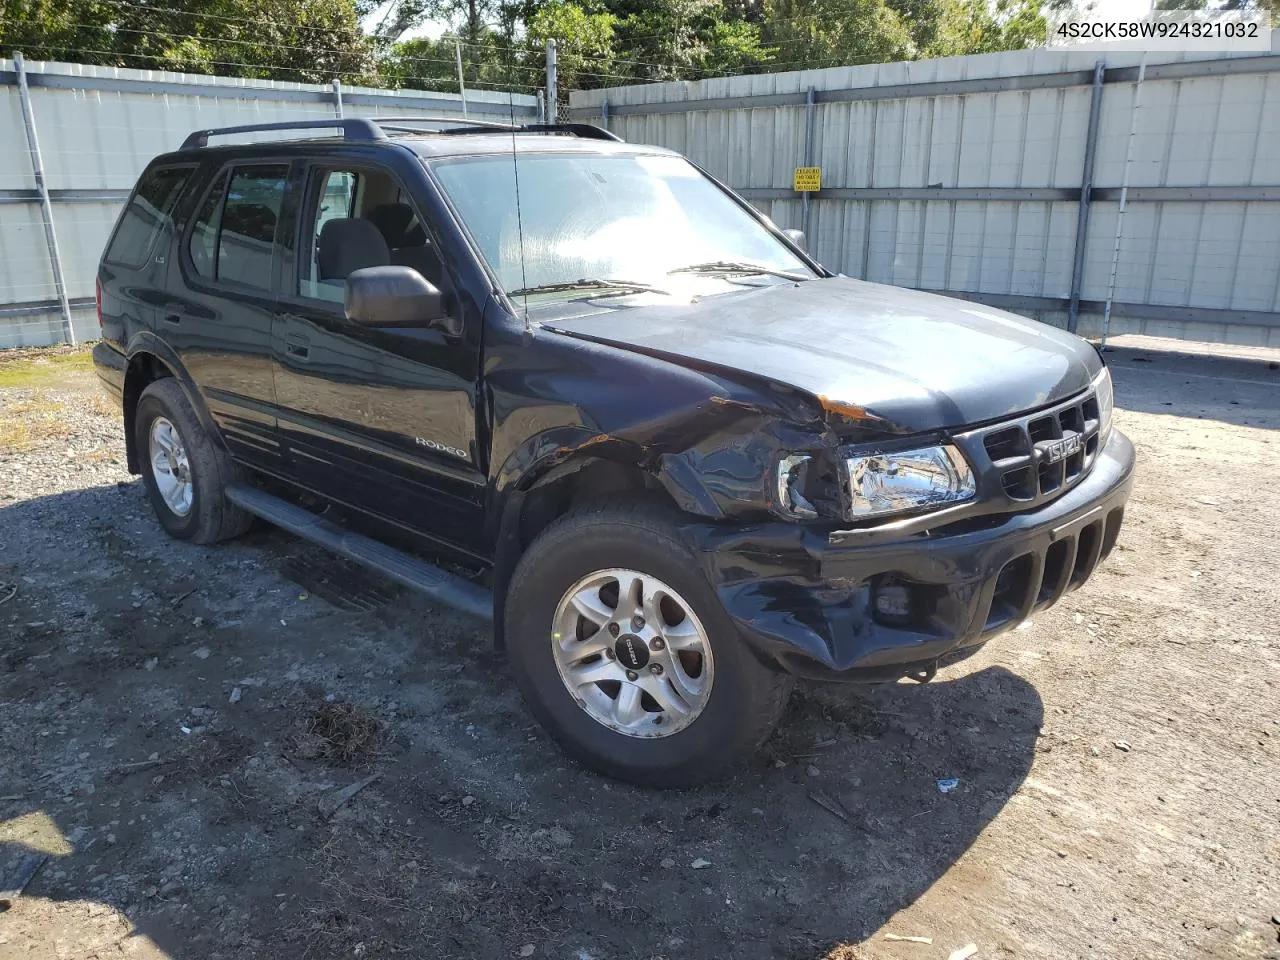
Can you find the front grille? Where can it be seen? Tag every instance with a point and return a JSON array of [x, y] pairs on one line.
[[1032, 459]]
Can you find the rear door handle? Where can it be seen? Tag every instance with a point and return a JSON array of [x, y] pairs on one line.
[[296, 346]]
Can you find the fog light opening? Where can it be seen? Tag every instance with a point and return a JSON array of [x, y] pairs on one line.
[[892, 600]]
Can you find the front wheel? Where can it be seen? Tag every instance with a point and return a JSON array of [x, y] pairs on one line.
[[624, 653]]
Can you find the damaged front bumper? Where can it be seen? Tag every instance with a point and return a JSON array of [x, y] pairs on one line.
[[859, 606]]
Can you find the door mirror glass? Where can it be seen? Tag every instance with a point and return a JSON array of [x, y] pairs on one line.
[[396, 296], [797, 237]]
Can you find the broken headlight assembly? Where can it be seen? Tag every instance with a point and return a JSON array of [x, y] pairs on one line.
[[907, 481]]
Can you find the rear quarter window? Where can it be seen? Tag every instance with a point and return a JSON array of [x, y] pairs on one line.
[[149, 213]]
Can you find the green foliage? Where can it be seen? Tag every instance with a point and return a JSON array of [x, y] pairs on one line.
[[302, 40], [600, 42], [976, 26], [584, 41], [824, 33]]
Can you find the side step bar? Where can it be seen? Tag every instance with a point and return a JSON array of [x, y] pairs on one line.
[[417, 574]]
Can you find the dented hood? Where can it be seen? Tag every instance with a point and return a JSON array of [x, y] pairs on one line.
[[915, 361]]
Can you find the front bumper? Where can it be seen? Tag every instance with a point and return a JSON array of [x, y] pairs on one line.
[[807, 601]]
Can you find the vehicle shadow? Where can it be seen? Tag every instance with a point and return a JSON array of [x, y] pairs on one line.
[[1185, 382], [190, 823]]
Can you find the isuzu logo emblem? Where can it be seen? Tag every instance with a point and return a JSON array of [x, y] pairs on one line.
[[1056, 450]]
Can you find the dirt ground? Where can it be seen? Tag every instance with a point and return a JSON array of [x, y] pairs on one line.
[[173, 720]]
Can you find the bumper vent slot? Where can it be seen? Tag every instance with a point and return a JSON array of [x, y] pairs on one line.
[[1034, 581]]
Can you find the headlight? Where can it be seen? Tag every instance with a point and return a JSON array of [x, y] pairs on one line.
[[1106, 395], [884, 483]]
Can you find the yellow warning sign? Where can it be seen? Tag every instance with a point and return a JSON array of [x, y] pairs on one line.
[[807, 179]]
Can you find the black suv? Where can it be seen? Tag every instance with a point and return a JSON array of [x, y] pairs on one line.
[[677, 462]]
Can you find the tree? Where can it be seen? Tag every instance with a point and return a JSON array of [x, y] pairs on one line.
[[978, 26], [584, 42], [301, 40], [823, 33]]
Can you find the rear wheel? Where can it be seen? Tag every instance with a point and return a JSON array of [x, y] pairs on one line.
[[184, 470], [624, 653]]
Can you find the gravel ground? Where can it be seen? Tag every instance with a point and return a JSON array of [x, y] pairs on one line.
[[175, 721]]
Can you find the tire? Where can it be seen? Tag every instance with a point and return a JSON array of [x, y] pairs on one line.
[[208, 517], [745, 698]]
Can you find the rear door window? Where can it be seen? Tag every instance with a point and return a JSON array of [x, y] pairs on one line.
[[250, 213], [149, 213], [203, 242]]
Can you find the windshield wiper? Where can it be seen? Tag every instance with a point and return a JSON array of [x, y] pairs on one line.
[[735, 266], [622, 287]]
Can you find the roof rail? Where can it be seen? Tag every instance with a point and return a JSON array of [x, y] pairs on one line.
[[389, 123], [464, 126], [587, 130], [353, 129], [376, 128]]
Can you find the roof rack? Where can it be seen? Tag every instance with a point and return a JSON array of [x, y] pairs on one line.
[[376, 128], [353, 129]]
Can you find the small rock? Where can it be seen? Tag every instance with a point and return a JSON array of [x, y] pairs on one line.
[[150, 891], [1123, 746], [201, 653], [610, 888], [700, 864], [667, 863], [812, 770], [170, 887], [527, 950], [151, 663], [561, 837], [468, 800], [235, 695], [198, 622]]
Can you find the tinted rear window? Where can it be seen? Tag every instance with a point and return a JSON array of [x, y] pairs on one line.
[[150, 211], [249, 216]]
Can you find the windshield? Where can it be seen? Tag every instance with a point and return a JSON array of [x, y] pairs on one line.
[[630, 219]]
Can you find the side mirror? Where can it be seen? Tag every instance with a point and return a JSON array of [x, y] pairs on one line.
[[396, 296], [797, 237]]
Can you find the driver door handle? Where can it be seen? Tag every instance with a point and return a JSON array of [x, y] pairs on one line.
[[297, 346]]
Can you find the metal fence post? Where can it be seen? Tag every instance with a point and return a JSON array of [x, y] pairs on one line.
[[542, 105], [337, 97], [809, 113], [1124, 197], [1086, 195], [462, 90], [553, 110], [604, 113], [46, 205]]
